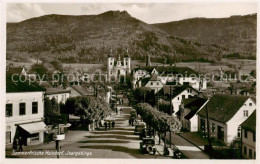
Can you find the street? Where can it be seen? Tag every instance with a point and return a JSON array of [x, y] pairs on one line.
[[117, 143]]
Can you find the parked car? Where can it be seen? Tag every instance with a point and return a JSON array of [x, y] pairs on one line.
[[148, 146], [139, 127], [146, 133]]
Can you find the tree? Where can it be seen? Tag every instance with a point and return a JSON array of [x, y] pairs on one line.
[[51, 112]]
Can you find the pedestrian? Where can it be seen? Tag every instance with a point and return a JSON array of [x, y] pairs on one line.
[[129, 122], [15, 143], [105, 125], [132, 121], [113, 124], [116, 111], [20, 142], [109, 125]]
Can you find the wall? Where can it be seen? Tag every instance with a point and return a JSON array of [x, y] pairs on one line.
[[60, 97], [177, 102], [28, 98], [248, 143], [239, 118], [213, 134], [155, 85]]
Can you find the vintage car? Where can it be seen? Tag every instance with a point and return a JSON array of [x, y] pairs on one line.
[[139, 127], [146, 133], [148, 146]]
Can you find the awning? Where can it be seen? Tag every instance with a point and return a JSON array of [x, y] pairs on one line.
[[35, 127]]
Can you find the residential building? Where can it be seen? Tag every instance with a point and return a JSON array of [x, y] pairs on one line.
[[225, 113], [178, 93], [187, 113], [248, 137], [154, 84], [61, 95], [24, 112]]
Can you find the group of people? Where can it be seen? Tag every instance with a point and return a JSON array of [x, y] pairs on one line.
[[109, 125], [16, 143]]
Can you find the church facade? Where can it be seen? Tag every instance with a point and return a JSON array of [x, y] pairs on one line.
[[118, 67]]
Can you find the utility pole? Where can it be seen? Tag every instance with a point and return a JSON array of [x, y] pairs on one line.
[[209, 140], [171, 111], [158, 100], [58, 143]]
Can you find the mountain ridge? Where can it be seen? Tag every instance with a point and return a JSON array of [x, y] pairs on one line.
[[88, 38]]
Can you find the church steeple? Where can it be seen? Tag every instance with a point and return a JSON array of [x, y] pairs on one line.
[[111, 53], [148, 60]]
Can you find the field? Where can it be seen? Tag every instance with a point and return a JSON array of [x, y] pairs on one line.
[[247, 65]]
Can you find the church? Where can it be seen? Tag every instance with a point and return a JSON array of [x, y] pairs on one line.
[[117, 67]]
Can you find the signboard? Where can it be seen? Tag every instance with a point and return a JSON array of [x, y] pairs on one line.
[[59, 137]]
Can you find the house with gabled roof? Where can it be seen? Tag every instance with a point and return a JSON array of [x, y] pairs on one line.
[[187, 113], [24, 111], [154, 83], [248, 137], [178, 93], [225, 113]]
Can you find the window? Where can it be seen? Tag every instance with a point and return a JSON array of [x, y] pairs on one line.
[[22, 109], [245, 150], [253, 136], [183, 96], [34, 137], [212, 127], [9, 110], [157, 83], [34, 107], [250, 104], [245, 133], [178, 98], [239, 132], [245, 113], [151, 83], [250, 153], [111, 63], [193, 78], [8, 137]]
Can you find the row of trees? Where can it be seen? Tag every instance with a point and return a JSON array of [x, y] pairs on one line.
[[159, 121], [89, 109]]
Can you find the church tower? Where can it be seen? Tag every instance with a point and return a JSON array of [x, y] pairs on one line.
[[148, 61], [110, 63]]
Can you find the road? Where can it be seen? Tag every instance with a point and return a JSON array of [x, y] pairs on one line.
[[117, 143]]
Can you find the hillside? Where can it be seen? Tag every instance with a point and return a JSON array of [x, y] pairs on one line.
[[236, 33], [88, 38]]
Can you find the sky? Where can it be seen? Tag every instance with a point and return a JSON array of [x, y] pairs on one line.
[[147, 12]]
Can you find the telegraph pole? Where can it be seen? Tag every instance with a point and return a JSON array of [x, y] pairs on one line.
[[58, 143], [209, 140], [171, 111]]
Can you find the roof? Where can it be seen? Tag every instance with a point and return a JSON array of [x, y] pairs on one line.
[[222, 107], [50, 91], [172, 83], [154, 78], [250, 122], [19, 86], [82, 90], [194, 104], [144, 81], [176, 90], [17, 70]]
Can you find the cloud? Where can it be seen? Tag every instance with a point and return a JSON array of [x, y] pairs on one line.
[[147, 12], [20, 12]]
